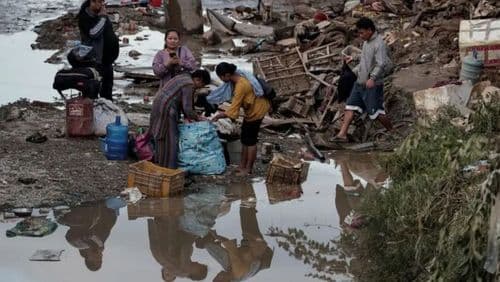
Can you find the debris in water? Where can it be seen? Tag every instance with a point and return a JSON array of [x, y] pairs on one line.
[[133, 194], [33, 227], [47, 255], [354, 220]]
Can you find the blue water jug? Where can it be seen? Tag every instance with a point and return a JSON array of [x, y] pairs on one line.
[[471, 68], [116, 141]]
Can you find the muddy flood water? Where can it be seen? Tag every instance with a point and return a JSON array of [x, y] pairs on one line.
[[219, 234]]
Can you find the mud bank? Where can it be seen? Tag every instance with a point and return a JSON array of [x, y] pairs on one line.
[[70, 171]]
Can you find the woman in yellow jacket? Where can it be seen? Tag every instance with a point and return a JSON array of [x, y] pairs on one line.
[[255, 109]]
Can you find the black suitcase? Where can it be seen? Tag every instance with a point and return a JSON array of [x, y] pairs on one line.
[[85, 80]]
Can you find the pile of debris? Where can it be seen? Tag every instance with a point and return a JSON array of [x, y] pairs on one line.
[[305, 76], [53, 34]]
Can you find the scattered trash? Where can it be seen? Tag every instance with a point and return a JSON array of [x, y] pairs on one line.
[[23, 212], [44, 210], [33, 227], [134, 54], [37, 138], [47, 255], [27, 180], [354, 220], [61, 208], [478, 168], [266, 149], [133, 194], [9, 215], [427, 102]]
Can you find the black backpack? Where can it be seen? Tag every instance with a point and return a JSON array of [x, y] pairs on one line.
[[82, 56], [269, 92], [85, 80]]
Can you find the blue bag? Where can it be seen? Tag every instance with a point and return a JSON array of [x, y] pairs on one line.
[[200, 151]]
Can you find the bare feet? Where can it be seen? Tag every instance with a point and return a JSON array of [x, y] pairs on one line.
[[238, 169], [243, 173]]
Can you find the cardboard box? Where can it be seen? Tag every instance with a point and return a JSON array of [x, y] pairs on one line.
[[482, 36]]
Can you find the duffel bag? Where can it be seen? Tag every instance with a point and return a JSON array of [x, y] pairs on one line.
[[85, 80]]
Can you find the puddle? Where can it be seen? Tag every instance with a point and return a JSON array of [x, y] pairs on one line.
[[25, 75], [19, 15], [219, 234]]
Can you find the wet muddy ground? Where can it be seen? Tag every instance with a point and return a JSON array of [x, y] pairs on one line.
[[223, 233]]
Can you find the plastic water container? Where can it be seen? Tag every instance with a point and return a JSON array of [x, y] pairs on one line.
[[116, 141], [471, 68], [79, 117]]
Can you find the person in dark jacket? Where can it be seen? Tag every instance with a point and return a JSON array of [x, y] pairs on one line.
[[96, 30]]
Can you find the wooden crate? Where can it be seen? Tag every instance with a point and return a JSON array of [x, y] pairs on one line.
[[290, 85], [297, 106], [277, 193], [155, 181], [156, 207], [283, 170], [327, 55]]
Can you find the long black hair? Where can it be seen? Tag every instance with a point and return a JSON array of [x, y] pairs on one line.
[[84, 6]]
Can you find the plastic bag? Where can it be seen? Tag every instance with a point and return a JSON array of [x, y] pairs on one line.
[[105, 112], [200, 151], [346, 83], [143, 148]]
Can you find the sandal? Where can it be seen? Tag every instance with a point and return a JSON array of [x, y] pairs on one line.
[[37, 138]]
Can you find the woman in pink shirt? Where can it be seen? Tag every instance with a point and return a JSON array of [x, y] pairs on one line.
[[173, 58]]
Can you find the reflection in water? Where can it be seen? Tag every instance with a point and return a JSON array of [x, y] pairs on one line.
[[280, 193], [243, 261], [180, 223], [329, 260], [89, 227], [347, 195], [172, 247], [215, 234]]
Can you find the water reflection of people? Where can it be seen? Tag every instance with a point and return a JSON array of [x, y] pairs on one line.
[[172, 247], [89, 227], [347, 195], [243, 261]]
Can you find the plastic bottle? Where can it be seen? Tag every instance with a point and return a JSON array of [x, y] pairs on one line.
[[116, 140]]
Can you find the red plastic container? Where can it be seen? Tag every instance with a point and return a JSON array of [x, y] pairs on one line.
[[155, 3], [79, 117]]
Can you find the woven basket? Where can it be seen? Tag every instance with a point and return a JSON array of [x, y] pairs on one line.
[[284, 170], [155, 181]]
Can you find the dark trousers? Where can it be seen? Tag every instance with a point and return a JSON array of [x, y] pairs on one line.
[[209, 108], [106, 72]]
